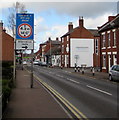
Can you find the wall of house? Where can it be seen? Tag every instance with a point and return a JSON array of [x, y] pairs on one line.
[[7, 47], [65, 49], [56, 60], [109, 53], [96, 56], [81, 52]]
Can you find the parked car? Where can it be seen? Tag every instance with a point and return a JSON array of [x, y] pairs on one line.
[[44, 64], [114, 73], [24, 63], [37, 63]]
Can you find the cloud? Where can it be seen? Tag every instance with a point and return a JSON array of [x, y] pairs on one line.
[[75, 9]]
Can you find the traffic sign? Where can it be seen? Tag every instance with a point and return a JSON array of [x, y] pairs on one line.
[[24, 44], [24, 26]]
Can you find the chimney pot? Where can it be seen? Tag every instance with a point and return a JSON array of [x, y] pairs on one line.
[[4, 30], [70, 26], [81, 21], [57, 38], [1, 24], [49, 38]]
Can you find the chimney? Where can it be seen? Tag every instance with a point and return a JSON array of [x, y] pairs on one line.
[[49, 38], [110, 18], [4, 30], [1, 24], [57, 39], [81, 21], [70, 26]]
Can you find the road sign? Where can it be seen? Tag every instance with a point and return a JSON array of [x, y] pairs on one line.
[[24, 26], [24, 44]]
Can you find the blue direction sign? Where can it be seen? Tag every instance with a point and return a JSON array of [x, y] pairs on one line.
[[24, 26]]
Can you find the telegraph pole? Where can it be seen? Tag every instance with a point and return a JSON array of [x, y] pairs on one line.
[[14, 68], [32, 69]]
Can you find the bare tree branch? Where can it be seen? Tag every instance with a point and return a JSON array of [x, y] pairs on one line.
[[16, 8]]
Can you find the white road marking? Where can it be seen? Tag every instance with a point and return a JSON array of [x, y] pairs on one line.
[[72, 80], [67, 71], [51, 72], [99, 90], [59, 75]]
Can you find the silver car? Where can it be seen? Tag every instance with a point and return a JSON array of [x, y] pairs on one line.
[[114, 73]]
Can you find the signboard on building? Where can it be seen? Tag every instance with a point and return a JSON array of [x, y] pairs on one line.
[[24, 44], [24, 26]]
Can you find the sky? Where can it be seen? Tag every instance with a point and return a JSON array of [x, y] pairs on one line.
[[51, 17]]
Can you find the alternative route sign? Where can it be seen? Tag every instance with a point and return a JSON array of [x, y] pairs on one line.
[[24, 44], [24, 26]]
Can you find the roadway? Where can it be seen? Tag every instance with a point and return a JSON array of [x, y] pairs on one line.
[[91, 98]]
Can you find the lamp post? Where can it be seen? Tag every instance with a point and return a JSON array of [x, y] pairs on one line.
[[50, 52]]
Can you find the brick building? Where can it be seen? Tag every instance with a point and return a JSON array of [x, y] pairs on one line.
[[6, 45], [109, 33], [50, 52], [80, 46]]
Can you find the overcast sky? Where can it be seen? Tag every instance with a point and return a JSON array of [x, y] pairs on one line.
[[52, 18]]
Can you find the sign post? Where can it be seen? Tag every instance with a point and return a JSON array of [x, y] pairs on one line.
[[25, 35]]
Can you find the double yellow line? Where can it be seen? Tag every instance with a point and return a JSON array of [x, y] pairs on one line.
[[71, 107]]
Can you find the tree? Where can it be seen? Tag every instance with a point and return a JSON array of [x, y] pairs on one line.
[[16, 8]]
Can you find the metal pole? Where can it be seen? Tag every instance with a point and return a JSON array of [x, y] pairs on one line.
[[14, 68], [50, 54], [32, 69]]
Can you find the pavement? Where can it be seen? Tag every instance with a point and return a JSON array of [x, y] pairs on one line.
[[88, 73], [36, 102]]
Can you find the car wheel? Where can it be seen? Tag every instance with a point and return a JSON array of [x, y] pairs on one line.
[[110, 78]]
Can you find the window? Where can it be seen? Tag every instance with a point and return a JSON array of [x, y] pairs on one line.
[[114, 38], [103, 41], [114, 68], [62, 40], [67, 48], [108, 39], [96, 46], [117, 68], [114, 59], [104, 60], [67, 38], [62, 48]]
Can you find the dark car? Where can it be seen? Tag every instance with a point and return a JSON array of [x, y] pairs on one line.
[[114, 73]]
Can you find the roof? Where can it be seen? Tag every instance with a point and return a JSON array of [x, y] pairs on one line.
[[55, 42], [54, 50], [93, 31], [68, 33], [110, 25]]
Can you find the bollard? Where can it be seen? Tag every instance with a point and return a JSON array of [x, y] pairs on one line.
[[82, 70], [75, 69], [93, 70], [78, 69]]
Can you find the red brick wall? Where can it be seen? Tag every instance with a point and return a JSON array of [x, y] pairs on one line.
[[7, 47], [81, 32], [118, 46], [96, 57], [111, 49]]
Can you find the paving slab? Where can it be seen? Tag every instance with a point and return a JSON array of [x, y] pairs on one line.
[[36, 102]]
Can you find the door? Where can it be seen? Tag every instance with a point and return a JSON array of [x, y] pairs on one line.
[[109, 62], [117, 73]]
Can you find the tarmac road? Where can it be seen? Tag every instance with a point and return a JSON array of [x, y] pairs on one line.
[[91, 98]]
